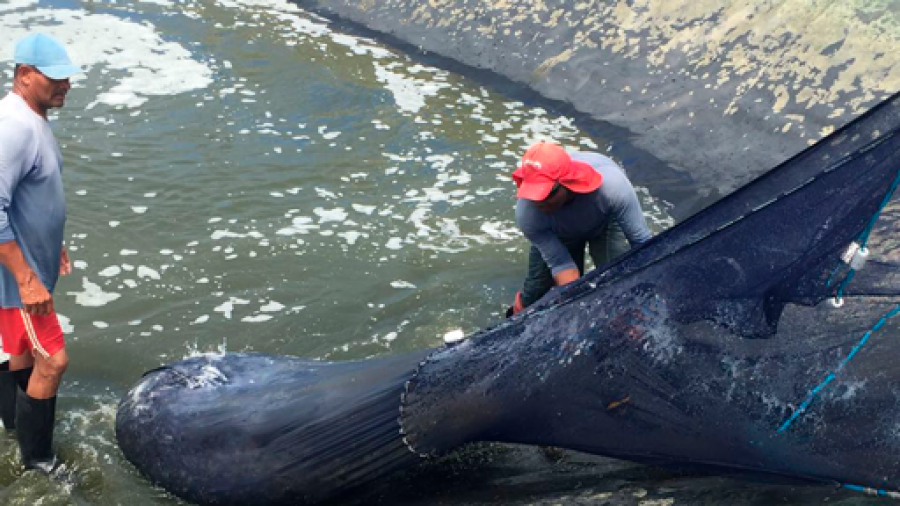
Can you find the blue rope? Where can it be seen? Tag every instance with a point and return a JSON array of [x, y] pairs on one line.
[[871, 491], [828, 379], [863, 239], [887, 197], [864, 236]]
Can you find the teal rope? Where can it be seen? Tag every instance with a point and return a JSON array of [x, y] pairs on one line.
[[872, 491], [887, 198], [864, 236], [828, 379], [863, 239]]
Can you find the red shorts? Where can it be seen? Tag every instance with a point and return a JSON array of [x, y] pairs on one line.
[[22, 332]]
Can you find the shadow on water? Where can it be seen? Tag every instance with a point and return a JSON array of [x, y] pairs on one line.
[[490, 473]]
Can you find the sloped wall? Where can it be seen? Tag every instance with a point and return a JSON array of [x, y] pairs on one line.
[[721, 89]]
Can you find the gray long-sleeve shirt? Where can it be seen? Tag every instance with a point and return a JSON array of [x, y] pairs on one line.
[[32, 202], [585, 216]]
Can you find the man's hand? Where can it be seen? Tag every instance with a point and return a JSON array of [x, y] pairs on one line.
[[65, 266], [517, 307], [35, 297]]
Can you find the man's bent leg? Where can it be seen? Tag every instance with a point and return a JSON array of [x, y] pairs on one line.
[[8, 388], [36, 406], [22, 366], [23, 361], [608, 245], [539, 280], [47, 374], [34, 430], [15, 373], [36, 412], [14, 376]]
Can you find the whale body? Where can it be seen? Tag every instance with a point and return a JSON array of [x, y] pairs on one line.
[[756, 337]]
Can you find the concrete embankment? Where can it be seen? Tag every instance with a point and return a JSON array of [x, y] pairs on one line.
[[721, 90]]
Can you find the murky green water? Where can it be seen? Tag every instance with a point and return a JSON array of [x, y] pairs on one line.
[[243, 176]]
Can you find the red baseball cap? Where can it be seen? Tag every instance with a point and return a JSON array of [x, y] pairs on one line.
[[546, 164]]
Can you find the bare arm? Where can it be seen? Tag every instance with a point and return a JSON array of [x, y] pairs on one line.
[[34, 295], [535, 227], [65, 265], [565, 277]]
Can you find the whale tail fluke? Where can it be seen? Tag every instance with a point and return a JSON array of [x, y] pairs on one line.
[[257, 429]]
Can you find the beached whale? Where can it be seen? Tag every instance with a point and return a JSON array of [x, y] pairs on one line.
[[758, 336]]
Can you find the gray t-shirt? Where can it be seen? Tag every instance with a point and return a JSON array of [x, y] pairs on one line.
[[32, 202], [585, 216]]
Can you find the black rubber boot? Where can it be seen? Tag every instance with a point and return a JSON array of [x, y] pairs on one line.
[[8, 390], [35, 419], [22, 377], [10, 383]]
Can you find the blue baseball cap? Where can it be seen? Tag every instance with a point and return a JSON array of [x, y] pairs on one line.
[[45, 54]]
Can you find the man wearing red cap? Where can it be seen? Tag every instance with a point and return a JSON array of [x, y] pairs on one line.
[[566, 202]]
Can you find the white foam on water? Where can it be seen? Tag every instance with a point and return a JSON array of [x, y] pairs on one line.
[[146, 272], [65, 323], [337, 214], [272, 307], [352, 236], [501, 230], [326, 194], [221, 234], [394, 243], [279, 5], [149, 66], [409, 93], [93, 295], [299, 225], [227, 307], [111, 271], [361, 46], [200, 319], [257, 318], [139, 209], [363, 209]]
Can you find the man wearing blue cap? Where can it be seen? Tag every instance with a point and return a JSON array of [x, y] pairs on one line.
[[32, 256]]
